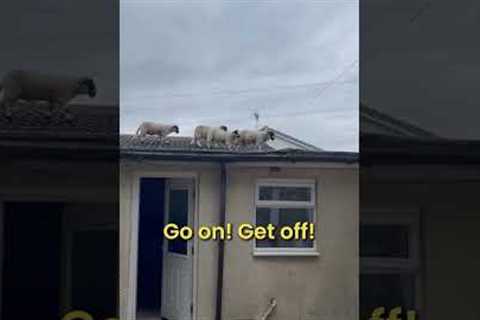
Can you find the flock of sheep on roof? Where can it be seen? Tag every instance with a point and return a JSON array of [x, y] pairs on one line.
[[211, 136], [57, 91]]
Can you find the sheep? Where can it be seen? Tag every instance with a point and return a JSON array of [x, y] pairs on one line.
[[201, 133], [256, 137], [218, 136], [158, 129], [54, 89]]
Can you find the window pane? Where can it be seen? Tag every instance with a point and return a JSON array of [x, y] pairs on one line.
[[386, 290], [178, 202], [284, 193], [283, 217], [386, 241]]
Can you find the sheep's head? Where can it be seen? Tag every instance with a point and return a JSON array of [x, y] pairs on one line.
[[235, 135], [224, 128], [270, 135], [175, 129], [87, 85]]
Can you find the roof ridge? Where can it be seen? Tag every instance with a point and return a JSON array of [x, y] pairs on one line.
[[286, 135], [405, 125]]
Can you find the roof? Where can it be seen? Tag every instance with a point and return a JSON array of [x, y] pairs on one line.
[[92, 134], [130, 142], [91, 122], [180, 148], [374, 121], [381, 149], [395, 142], [299, 144]]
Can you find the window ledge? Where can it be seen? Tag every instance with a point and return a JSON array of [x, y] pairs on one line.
[[280, 253]]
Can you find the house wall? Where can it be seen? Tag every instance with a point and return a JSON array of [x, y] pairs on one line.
[[207, 202], [323, 286], [86, 193], [447, 201], [319, 287]]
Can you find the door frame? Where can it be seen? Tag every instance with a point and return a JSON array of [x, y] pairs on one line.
[[2, 251], [137, 175], [177, 184], [5, 198], [67, 235]]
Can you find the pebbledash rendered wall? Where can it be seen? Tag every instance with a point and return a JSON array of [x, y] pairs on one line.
[[313, 287]]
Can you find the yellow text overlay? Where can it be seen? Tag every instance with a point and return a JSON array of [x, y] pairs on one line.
[[245, 231]]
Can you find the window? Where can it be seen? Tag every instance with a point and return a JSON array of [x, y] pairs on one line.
[[389, 262], [284, 203]]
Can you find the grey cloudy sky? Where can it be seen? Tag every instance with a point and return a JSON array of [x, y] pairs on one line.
[[295, 63], [420, 63]]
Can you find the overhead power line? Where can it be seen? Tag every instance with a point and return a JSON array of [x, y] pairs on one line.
[[316, 110]]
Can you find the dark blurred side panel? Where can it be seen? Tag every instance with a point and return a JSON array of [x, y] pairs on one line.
[[58, 162], [420, 159]]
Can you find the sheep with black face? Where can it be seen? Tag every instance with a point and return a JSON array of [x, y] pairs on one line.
[[255, 137], [32, 86], [202, 133], [217, 137], [157, 129]]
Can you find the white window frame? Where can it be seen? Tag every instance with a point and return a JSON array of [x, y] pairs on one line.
[[411, 265], [408, 218], [309, 183]]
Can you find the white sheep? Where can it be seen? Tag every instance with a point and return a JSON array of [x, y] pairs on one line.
[[255, 137], [218, 136], [54, 89], [158, 129], [201, 133]]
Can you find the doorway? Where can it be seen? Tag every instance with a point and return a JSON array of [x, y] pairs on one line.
[[43, 275], [164, 268], [31, 260], [94, 271]]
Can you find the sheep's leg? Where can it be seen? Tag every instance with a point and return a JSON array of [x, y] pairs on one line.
[[65, 112], [209, 140], [51, 109], [11, 95], [7, 110], [60, 106]]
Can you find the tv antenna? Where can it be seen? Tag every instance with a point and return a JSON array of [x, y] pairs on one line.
[[256, 116]]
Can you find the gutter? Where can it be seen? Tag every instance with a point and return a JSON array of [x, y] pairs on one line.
[[221, 244], [335, 157]]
